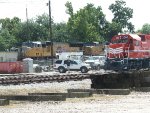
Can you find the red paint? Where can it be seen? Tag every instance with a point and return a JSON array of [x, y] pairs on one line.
[[132, 46], [11, 67]]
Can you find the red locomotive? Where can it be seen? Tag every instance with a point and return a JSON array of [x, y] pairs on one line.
[[128, 51]]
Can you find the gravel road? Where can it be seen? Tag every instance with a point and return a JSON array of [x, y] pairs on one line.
[[136, 102]]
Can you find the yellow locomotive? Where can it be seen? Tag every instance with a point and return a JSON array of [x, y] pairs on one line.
[[35, 49], [38, 49]]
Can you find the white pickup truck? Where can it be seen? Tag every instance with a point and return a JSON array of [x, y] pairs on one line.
[[96, 62]]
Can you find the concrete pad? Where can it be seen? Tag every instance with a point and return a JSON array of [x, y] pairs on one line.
[[4, 102], [46, 98], [79, 94], [114, 91], [64, 95], [91, 91], [34, 97], [143, 89], [117, 91]]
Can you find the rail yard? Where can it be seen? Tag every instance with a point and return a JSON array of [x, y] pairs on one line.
[[100, 78], [92, 92], [124, 75], [134, 102], [89, 63]]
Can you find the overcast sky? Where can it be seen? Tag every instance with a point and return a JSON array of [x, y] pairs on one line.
[[11, 8]]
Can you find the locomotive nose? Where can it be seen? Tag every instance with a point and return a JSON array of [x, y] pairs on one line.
[[116, 50]]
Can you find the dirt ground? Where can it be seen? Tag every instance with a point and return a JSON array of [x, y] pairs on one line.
[[136, 102]]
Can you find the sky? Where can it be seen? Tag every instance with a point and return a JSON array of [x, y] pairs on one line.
[[12, 8]]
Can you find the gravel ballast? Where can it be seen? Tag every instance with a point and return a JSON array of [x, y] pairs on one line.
[[135, 102]]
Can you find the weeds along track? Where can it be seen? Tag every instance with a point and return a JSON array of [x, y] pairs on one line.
[[17, 79]]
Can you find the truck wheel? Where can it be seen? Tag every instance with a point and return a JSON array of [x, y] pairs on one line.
[[61, 70], [84, 69]]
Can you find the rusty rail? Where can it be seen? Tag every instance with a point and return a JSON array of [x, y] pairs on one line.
[[27, 78]]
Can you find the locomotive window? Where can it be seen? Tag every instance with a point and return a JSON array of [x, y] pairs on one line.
[[124, 40], [120, 41], [137, 43], [115, 41], [48, 43], [44, 45], [38, 45], [131, 41], [142, 37]]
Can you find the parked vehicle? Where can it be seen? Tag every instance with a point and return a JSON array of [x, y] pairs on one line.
[[96, 62], [70, 55], [64, 65]]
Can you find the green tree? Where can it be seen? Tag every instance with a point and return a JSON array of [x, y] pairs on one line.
[[42, 23], [27, 31], [145, 29], [59, 30], [110, 30], [6, 40], [69, 8], [60, 33], [122, 15], [9, 32], [12, 25], [36, 29], [85, 25]]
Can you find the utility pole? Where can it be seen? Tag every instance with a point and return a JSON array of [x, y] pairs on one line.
[[27, 23], [50, 31]]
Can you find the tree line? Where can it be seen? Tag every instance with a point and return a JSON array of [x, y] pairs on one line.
[[88, 24]]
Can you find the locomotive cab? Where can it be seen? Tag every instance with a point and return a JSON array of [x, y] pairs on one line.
[[118, 45]]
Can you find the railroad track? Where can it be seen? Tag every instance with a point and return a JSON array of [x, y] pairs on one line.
[[39, 78]]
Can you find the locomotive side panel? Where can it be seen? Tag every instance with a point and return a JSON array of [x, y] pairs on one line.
[[123, 46], [45, 51], [93, 50]]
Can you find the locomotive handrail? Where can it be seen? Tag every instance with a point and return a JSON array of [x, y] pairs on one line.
[[127, 54]]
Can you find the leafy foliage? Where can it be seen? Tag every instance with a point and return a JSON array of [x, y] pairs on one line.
[[35, 30], [110, 30], [122, 15], [60, 33], [69, 8], [85, 25], [8, 33], [145, 29], [88, 24]]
